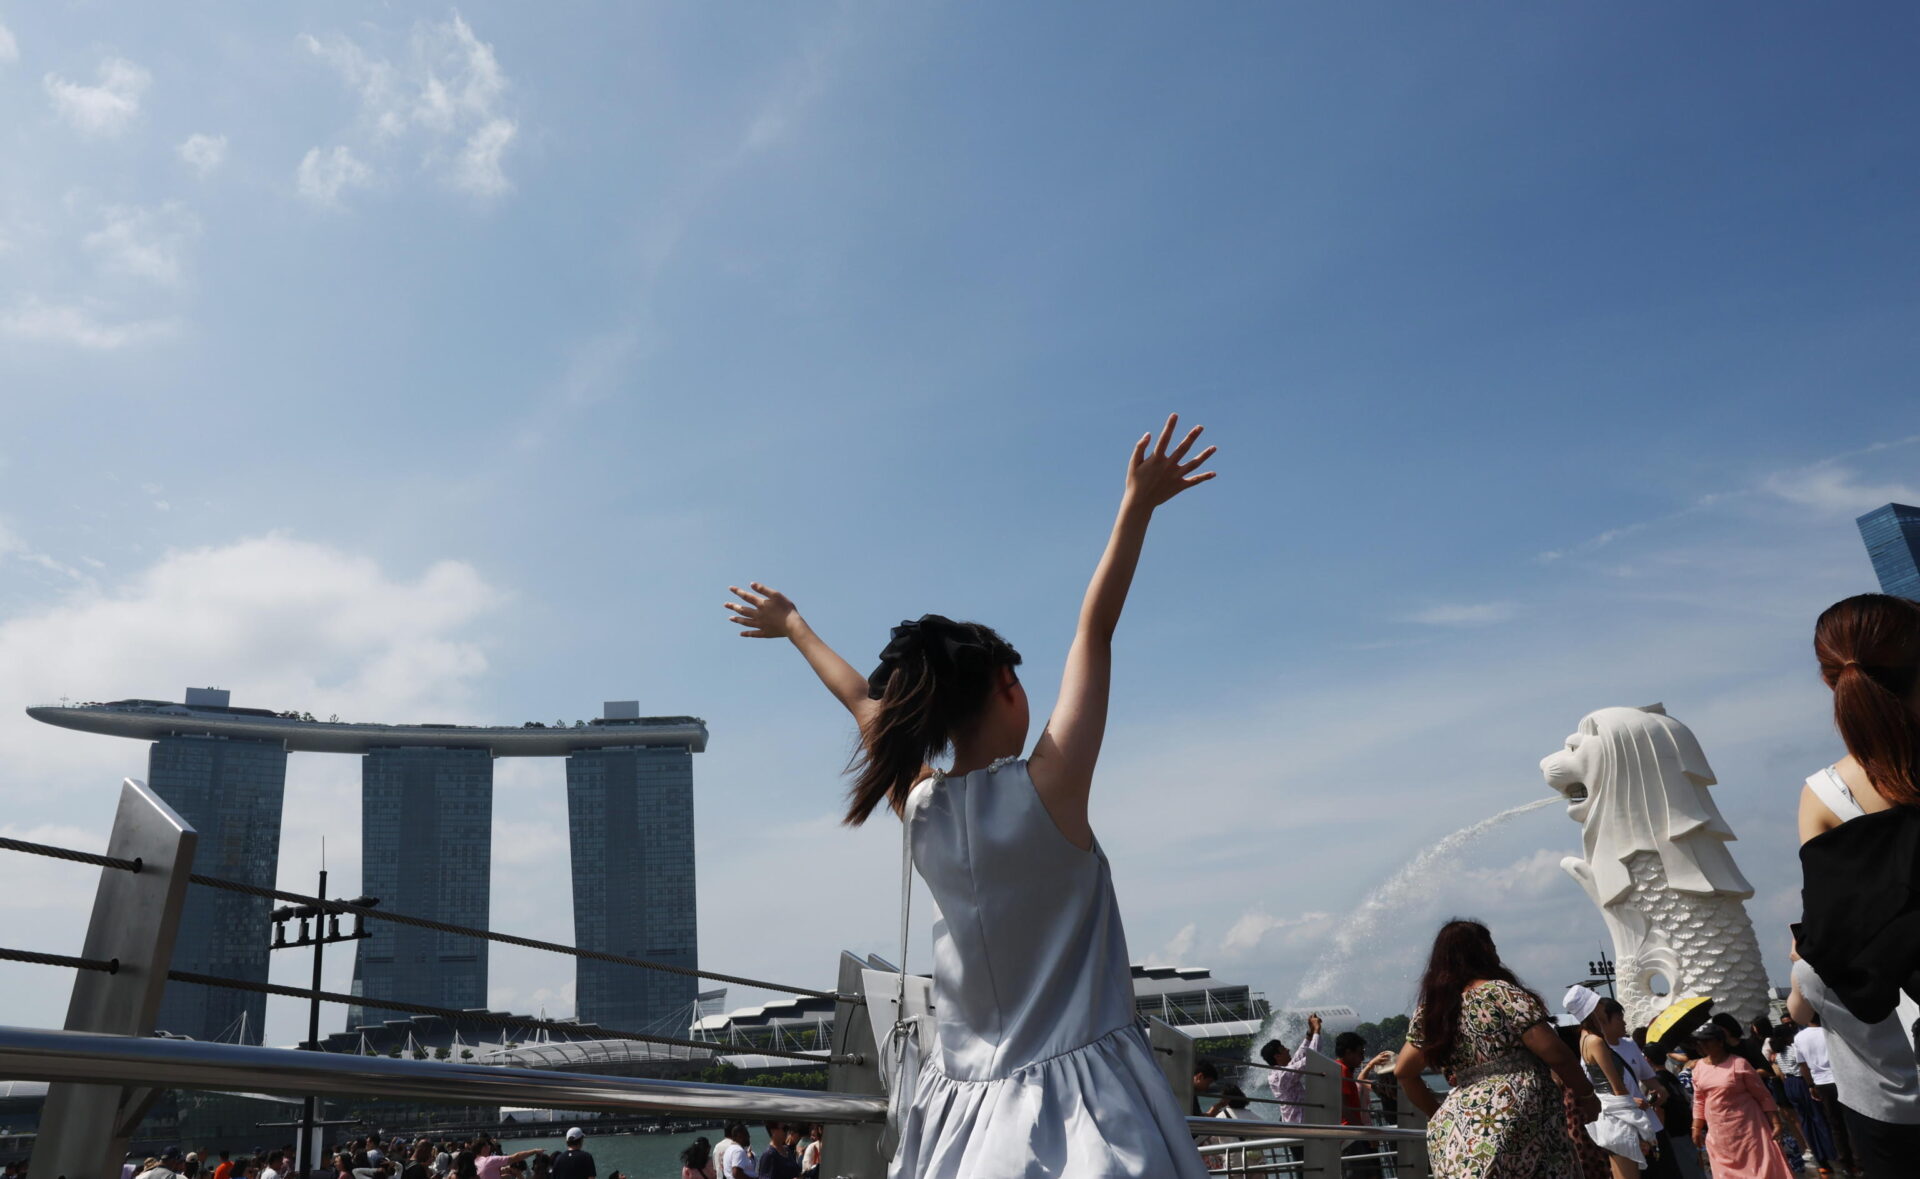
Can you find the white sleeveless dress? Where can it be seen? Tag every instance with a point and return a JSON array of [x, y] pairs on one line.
[[1830, 788], [1043, 1069]]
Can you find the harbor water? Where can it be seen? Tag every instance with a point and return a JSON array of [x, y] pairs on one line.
[[639, 1156]]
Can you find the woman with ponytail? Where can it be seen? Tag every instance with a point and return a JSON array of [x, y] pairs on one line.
[[1042, 1068], [1859, 942]]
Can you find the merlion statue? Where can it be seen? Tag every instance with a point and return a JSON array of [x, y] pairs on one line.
[[1657, 862]]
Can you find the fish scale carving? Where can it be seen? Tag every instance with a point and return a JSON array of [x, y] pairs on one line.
[[1711, 941]]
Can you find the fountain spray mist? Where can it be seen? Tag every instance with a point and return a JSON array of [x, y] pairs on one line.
[[1358, 938]]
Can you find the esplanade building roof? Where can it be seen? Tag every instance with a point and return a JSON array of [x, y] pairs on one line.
[[150, 720]]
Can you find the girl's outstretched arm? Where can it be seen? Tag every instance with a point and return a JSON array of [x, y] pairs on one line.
[[769, 614], [1062, 762]]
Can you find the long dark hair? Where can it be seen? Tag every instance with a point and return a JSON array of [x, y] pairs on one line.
[[695, 1156], [1869, 651], [934, 679], [1462, 952]]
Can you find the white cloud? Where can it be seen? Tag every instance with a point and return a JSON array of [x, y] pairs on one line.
[[1178, 948], [9, 47], [323, 175], [1253, 926], [107, 108], [1836, 490], [143, 243], [202, 152], [1465, 614], [478, 169], [285, 624], [78, 324], [446, 96], [13, 546], [1824, 485]]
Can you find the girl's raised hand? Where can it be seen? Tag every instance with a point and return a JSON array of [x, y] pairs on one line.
[[1153, 479], [765, 613]]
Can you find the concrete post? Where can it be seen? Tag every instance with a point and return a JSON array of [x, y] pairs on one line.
[[853, 1152], [84, 1128], [1322, 1095], [1173, 1050], [1413, 1162]]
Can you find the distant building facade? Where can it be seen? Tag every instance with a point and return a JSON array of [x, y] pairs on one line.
[[630, 823], [230, 790], [426, 837], [1187, 997], [1892, 536]]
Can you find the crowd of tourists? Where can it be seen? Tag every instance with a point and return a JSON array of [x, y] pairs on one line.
[[375, 1157], [791, 1152]]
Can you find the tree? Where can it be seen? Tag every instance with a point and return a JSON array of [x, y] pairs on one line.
[[1385, 1036], [442, 1052], [466, 1054]]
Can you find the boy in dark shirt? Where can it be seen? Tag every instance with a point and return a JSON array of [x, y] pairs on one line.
[[778, 1161], [574, 1162]]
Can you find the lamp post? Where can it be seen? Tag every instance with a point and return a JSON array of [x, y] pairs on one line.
[[1601, 969], [324, 931]]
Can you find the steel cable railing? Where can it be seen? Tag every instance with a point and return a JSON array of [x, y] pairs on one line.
[[67, 853], [134, 865], [74, 855], [8, 954], [108, 966], [511, 939]]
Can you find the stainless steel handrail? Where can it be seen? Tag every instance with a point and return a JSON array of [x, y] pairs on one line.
[[38, 1054], [1237, 1128]]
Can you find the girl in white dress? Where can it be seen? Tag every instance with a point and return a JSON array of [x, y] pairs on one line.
[[1043, 1068]]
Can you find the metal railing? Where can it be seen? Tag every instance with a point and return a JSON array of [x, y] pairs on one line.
[[106, 1069], [38, 1054]]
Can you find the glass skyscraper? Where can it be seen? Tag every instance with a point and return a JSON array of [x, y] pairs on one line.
[[426, 839], [230, 790], [1892, 534], [630, 818]]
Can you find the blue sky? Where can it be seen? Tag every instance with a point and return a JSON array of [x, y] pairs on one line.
[[447, 364]]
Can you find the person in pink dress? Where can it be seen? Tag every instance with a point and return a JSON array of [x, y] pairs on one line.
[[1734, 1117]]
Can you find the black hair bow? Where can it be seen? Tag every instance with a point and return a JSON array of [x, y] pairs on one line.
[[933, 637]]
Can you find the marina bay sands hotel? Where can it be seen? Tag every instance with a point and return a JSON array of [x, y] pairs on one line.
[[426, 830]]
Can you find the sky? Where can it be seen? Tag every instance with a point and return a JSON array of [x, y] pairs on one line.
[[447, 364]]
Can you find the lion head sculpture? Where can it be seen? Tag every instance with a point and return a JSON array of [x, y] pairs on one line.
[[1636, 780]]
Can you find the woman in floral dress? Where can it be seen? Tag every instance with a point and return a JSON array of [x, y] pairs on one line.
[[1502, 1118]]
